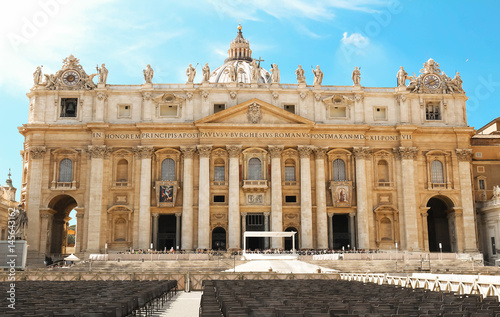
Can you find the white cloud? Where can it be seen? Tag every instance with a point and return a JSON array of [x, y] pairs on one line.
[[355, 39]]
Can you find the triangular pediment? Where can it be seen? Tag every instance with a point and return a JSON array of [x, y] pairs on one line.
[[254, 112]]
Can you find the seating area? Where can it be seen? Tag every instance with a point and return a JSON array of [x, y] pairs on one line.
[[323, 298], [88, 298]]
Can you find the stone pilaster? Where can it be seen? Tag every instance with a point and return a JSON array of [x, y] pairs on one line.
[[407, 156], [234, 196], [156, 216], [276, 194], [144, 154], [424, 232], [321, 217], [96, 153], [36, 154], [352, 230], [177, 230], [362, 154], [204, 197], [464, 157], [266, 228], [80, 214], [306, 241], [147, 106], [330, 230], [100, 104], [187, 198], [46, 217]]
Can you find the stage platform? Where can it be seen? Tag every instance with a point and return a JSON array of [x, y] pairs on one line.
[[269, 256]]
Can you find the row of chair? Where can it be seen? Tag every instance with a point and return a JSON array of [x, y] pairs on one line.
[[332, 298], [87, 298]]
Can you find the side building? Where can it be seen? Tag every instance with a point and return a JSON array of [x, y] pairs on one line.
[[486, 177], [7, 202], [194, 165]]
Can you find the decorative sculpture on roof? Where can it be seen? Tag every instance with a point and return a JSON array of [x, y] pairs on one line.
[[103, 74], [206, 73], [275, 74], [191, 73], [71, 76], [301, 77], [37, 76], [356, 76], [433, 81], [148, 74], [402, 76], [318, 76], [255, 71]]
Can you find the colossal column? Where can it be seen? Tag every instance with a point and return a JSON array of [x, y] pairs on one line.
[[321, 217], [276, 195], [464, 157], [407, 156], [36, 154], [96, 153], [144, 154], [80, 212], [204, 197], [362, 154], [234, 196], [306, 241], [187, 199]]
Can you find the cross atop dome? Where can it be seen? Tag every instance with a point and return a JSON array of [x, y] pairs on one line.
[[239, 48]]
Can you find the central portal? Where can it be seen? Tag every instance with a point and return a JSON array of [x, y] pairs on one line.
[[255, 222], [167, 225]]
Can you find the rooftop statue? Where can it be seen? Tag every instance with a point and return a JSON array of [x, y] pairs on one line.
[[318, 75], [402, 76], [301, 77], [356, 75], [103, 74], [191, 73], [148, 74], [206, 73], [37, 76], [275, 74]]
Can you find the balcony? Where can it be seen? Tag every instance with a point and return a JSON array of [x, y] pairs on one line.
[[63, 185], [255, 185]]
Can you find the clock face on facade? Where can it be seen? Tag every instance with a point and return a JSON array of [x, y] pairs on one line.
[[432, 81], [70, 78]]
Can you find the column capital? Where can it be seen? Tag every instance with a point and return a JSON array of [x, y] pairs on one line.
[[405, 152], [188, 151], [155, 215], [233, 150], [98, 151], [79, 215], [178, 214], [267, 213], [305, 150], [37, 152], [352, 215], [330, 215], [362, 152], [243, 214], [204, 150], [458, 211], [424, 211], [320, 152], [464, 155], [276, 150], [143, 152]]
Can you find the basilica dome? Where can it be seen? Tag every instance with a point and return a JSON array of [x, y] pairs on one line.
[[239, 66]]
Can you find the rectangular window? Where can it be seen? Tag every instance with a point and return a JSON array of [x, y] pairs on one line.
[[289, 108], [479, 154], [432, 111], [219, 107], [290, 199], [168, 110], [480, 169], [219, 198], [289, 173], [482, 184], [338, 112], [69, 107], [380, 113], [255, 220], [219, 174], [124, 111]]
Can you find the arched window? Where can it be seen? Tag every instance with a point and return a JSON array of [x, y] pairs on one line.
[[383, 171], [290, 171], [339, 170], [122, 171], [120, 229], [66, 171], [168, 170], [254, 169], [219, 170], [437, 175]]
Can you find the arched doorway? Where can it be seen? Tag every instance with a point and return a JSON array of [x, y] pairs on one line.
[[440, 225], [58, 226], [288, 240], [219, 239]]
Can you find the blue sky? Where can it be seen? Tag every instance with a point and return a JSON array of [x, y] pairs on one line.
[[377, 35]]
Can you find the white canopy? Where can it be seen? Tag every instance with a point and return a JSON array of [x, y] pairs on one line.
[[271, 234], [71, 257]]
